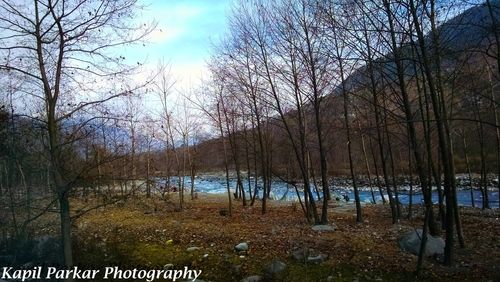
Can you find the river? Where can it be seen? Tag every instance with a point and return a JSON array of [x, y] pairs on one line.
[[281, 191]]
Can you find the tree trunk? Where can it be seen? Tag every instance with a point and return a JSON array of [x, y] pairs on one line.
[[367, 164], [64, 214], [226, 168], [469, 172]]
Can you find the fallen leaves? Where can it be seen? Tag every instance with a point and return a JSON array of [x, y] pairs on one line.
[[370, 248]]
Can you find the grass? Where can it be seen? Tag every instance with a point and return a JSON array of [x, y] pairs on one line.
[[137, 234]]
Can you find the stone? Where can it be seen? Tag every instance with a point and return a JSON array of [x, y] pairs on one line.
[[411, 241], [317, 259], [308, 255], [323, 228], [168, 266], [241, 247], [192, 249], [300, 254], [276, 270], [253, 278]]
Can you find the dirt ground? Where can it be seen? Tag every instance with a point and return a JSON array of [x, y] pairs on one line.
[[151, 233]]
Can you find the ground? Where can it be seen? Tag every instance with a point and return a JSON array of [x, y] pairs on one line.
[[150, 233]]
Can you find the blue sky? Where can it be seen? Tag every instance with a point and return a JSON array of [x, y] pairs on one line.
[[184, 34]]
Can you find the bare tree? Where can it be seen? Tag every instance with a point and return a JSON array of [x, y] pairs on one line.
[[64, 49]]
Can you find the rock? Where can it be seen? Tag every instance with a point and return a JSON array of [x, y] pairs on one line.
[[168, 266], [276, 270], [308, 255], [410, 242], [192, 249], [300, 254], [323, 228], [253, 278], [241, 247], [317, 259]]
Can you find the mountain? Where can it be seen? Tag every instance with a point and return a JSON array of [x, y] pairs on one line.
[[469, 30]]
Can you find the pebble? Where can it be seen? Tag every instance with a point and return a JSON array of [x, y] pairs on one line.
[[192, 249]]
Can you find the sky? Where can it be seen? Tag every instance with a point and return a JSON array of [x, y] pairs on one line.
[[186, 30]]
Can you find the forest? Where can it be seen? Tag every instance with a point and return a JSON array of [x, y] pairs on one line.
[[378, 117]]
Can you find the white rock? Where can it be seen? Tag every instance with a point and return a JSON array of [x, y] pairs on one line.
[[192, 249], [241, 247], [411, 242]]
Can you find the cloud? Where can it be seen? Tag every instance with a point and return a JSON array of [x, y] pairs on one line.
[[162, 35], [185, 29], [188, 74]]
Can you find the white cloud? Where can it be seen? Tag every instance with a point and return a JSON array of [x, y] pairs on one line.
[[187, 75], [162, 35]]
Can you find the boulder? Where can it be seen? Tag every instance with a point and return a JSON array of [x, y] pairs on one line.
[[411, 241], [276, 270], [241, 247], [323, 228]]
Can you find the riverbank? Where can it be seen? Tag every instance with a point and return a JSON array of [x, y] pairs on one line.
[[150, 233], [214, 183]]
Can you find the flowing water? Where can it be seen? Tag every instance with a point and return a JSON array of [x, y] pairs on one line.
[[341, 191]]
